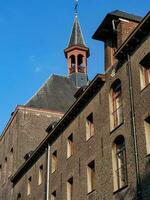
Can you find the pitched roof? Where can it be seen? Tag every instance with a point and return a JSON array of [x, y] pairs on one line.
[[92, 89], [56, 94], [105, 29], [76, 37]]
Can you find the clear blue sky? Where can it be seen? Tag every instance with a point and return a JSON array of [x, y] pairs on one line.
[[33, 35]]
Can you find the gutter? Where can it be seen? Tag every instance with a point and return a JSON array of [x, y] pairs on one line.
[[133, 133]]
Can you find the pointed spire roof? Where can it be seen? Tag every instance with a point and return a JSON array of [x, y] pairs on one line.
[[76, 37]]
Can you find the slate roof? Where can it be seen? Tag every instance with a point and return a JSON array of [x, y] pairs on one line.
[[76, 37], [105, 29], [56, 94], [125, 15]]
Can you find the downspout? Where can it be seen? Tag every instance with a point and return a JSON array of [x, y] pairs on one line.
[[133, 132], [48, 171]]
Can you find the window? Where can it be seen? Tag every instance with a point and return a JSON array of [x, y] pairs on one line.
[[19, 196], [80, 63], [70, 189], [29, 185], [5, 170], [89, 126], [119, 163], [147, 134], [40, 177], [11, 162], [54, 162], [70, 146], [73, 61], [91, 176], [53, 196], [145, 71], [116, 107]]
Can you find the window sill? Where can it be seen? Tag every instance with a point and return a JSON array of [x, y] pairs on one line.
[[53, 172], [120, 189], [148, 85], [90, 138], [147, 155], [116, 127], [69, 157], [91, 192]]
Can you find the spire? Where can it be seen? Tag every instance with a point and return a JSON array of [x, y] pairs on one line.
[[76, 34], [77, 54]]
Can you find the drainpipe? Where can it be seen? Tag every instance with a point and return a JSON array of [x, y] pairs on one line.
[[48, 171], [133, 132]]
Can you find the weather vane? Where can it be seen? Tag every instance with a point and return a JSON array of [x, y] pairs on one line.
[[76, 7]]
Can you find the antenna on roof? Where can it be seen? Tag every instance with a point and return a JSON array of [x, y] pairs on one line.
[[76, 8]]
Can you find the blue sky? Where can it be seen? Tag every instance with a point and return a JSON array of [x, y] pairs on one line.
[[33, 35]]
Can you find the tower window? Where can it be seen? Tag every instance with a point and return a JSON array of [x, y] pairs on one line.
[[91, 176], [70, 146], [119, 163], [53, 195], [116, 106], [70, 189], [40, 178], [145, 71], [29, 185], [73, 61], [89, 126], [80, 63], [54, 161], [147, 134]]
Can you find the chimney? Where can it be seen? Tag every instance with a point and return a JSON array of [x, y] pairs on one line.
[[124, 29]]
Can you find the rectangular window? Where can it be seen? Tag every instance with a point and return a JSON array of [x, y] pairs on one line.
[[5, 170], [89, 126], [70, 189], [70, 146], [40, 177], [11, 159], [145, 71], [91, 176], [54, 161], [147, 134], [29, 185], [119, 163], [53, 196]]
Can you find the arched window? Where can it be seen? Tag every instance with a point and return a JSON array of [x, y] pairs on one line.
[[80, 63], [116, 106], [72, 63], [119, 163]]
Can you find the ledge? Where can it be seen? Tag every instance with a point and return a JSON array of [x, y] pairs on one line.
[[117, 127], [120, 189]]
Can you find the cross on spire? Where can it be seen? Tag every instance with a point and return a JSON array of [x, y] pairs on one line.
[[76, 8]]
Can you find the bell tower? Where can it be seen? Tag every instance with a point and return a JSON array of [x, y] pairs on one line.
[[77, 54]]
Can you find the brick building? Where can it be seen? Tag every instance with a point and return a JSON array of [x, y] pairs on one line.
[[80, 139]]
